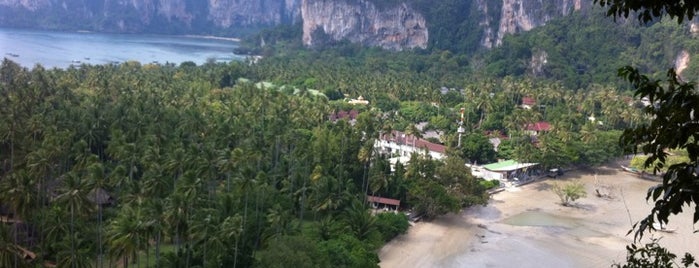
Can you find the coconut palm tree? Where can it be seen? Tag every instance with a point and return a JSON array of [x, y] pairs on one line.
[[74, 192], [10, 252], [79, 258], [97, 186], [360, 222], [154, 216], [18, 191], [588, 133], [231, 229], [124, 236]]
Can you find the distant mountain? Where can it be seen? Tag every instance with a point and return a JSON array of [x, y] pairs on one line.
[[586, 48], [391, 24], [565, 40], [224, 17]]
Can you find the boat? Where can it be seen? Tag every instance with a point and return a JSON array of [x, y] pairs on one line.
[[659, 227], [13, 55], [642, 174]]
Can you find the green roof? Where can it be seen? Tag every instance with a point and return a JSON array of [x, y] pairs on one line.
[[508, 165], [501, 164]]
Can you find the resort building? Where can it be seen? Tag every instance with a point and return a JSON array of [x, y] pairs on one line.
[[378, 202], [537, 128], [506, 171], [398, 144], [528, 103], [360, 101], [350, 116]]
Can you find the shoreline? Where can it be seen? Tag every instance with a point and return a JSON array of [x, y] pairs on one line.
[[212, 37], [527, 226]]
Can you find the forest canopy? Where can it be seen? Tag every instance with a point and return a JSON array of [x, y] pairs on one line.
[[242, 163]]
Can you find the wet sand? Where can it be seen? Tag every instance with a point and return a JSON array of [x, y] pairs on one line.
[[527, 227]]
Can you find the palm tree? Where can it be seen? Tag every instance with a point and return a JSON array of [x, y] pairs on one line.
[[279, 220], [18, 191], [484, 104], [79, 258], [562, 131], [212, 234], [97, 185], [10, 252], [124, 236], [361, 223], [176, 217], [123, 151], [154, 216], [74, 192], [176, 162], [588, 133], [231, 229], [516, 122]]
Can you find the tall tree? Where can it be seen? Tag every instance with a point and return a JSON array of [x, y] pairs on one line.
[[649, 10], [673, 124], [124, 236], [74, 193]]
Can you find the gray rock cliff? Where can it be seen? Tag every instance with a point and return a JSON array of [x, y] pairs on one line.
[[188, 16], [524, 15], [395, 25], [395, 28]]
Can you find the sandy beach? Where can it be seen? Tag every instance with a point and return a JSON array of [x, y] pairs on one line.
[[527, 227]]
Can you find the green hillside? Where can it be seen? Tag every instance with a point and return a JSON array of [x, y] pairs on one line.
[[581, 49], [589, 48]]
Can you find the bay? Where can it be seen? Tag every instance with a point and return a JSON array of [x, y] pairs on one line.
[[54, 49]]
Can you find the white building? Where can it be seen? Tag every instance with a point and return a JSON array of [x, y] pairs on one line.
[[360, 101], [399, 144]]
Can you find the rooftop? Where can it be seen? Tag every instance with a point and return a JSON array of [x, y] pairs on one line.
[[528, 101], [383, 200], [539, 126], [342, 114], [507, 165], [402, 138]]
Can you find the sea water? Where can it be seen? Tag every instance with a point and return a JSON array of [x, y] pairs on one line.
[[62, 49]]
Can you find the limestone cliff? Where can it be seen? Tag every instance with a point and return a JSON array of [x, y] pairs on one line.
[[394, 28], [396, 24], [249, 13], [681, 61], [403, 26], [169, 16], [26, 4], [524, 15]]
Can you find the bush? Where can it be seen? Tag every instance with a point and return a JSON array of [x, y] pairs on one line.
[[292, 251], [489, 184], [347, 251], [391, 225], [570, 192]]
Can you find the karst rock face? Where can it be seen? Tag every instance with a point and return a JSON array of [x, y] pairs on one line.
[[392, 25], [180, 16], [402, 26], [395, 28], [524, 15]]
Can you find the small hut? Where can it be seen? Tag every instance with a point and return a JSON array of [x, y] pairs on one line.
[[382, 202]]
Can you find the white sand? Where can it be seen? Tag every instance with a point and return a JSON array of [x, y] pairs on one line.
[[528, 228]]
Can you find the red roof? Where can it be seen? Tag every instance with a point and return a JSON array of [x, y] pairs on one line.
[[528, 101], [342, 114], [402, 138], [539, 126], [383, 200]]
